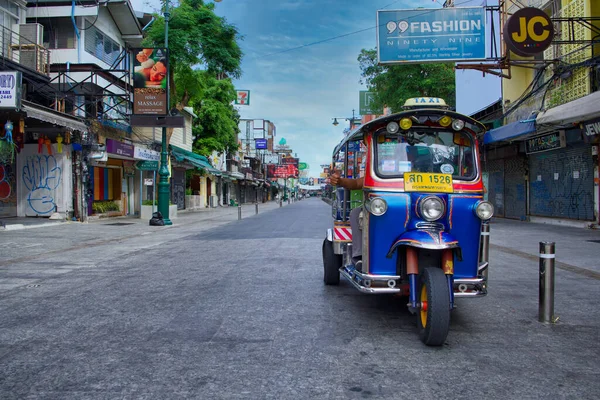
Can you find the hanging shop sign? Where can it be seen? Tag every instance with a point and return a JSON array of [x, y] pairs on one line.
[[146, 165], [528, 31], [10, 90], [150, 81], [551, 141], [591, 128], [242, 97], [142, 153], [119, 148], [417, 36]]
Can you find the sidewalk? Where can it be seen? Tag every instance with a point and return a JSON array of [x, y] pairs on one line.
[[184, 217]]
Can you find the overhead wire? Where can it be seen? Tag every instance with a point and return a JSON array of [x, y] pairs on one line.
[[425, 12]]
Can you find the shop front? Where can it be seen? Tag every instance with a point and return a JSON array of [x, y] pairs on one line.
[[113, 181]]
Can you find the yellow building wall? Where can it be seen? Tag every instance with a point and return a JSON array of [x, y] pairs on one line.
[[571, 87]]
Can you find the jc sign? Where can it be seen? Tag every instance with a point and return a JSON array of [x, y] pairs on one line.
[[528, 31]]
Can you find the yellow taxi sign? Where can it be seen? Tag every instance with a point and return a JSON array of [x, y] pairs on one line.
[[427, 182], [425, 102]]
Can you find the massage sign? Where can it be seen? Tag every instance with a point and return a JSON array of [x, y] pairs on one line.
[[150, 81], [528, 31]]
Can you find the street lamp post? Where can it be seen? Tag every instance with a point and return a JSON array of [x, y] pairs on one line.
[[336, 123], [163, 172]]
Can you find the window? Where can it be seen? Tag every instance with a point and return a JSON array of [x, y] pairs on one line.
[[59, 33], [9, 14], [101, 46], [425, 151]]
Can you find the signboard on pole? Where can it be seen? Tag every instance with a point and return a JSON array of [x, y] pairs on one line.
[[260, 144], [10, 90], [365, 99], [150, 81], [242, 98], [146, 165], [425, 35]]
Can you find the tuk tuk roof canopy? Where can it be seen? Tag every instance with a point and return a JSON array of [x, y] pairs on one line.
[[381, 122]]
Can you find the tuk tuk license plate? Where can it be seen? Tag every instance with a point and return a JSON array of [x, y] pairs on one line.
[[425, 182]]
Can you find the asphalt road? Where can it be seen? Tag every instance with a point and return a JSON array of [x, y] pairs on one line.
[[227, 309]]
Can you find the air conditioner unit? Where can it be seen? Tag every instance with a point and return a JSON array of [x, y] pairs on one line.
[[32, 33], [31, 38]]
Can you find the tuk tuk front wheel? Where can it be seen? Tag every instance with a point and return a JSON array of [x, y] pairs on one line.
[[331, 264], [433, 318]]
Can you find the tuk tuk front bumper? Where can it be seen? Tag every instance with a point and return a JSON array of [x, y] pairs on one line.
[[368, 283]]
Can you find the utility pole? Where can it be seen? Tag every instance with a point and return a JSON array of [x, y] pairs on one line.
[[163, 172]]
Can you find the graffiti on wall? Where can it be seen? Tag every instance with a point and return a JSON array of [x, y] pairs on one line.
[[41, 177], [563, 187]]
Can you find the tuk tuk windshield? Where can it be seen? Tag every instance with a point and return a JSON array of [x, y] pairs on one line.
[[435, 151]]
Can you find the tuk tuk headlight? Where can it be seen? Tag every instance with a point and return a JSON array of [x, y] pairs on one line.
[[458, 124], [432, 208], [484, 210], [377, 206]]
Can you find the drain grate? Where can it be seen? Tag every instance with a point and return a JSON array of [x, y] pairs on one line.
[[593, 241], [120, 223]]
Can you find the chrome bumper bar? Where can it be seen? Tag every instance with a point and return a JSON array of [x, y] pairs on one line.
[[472, 287], [372, 284]]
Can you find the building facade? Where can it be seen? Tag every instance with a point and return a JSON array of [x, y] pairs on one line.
[[542, 162]]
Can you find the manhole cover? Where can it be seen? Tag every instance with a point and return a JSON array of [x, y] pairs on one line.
[[120, 223], [593, 241]]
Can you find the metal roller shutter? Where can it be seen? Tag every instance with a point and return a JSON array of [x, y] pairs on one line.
[[562, 183], [495, 170], [515, 193]]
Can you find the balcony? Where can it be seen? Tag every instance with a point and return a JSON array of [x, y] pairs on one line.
[[23, 52]]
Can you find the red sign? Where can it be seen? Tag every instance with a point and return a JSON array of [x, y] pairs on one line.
[[281, 171]]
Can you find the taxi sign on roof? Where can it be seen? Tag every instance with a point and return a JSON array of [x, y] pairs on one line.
[[425, 102]]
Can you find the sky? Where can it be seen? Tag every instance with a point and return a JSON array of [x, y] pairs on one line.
[[301, 86]]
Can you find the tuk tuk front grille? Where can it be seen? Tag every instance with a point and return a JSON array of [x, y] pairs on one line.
[[430, 226]]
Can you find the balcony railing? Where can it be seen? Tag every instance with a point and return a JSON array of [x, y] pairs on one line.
[[20, 50]]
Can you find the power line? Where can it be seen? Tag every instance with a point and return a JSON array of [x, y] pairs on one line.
[[352, 33]]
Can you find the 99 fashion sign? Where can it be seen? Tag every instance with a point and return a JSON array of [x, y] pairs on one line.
[[528, 31], [150, 81]]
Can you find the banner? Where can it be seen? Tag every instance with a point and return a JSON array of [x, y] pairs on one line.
[[425, 35], [150, 81]]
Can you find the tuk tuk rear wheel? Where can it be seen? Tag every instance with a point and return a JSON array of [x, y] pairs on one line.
[[433, 318], [331, 264]]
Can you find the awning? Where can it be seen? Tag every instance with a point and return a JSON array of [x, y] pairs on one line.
[[236, 175], [509, 132], [54, 117], [195, 159], [565, 115]]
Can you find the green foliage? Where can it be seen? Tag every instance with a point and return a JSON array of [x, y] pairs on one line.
[[393, 84], [216, 128], [197, 36], [101, 207]]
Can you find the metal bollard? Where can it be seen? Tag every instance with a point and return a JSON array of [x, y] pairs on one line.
[[280, 202], [239, 212], [546, 301], [256, 208]]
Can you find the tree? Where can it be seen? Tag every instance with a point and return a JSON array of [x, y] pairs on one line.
[[197, 37], [393, 84], [216, 128]]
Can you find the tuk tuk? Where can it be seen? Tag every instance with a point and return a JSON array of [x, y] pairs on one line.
[[422, 220]]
